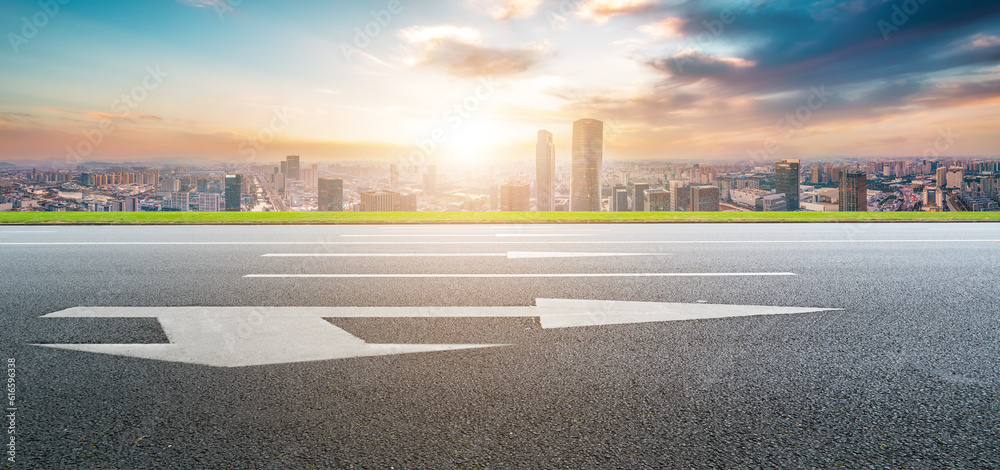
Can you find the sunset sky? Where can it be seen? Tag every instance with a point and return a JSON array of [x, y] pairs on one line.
[[255, 80]]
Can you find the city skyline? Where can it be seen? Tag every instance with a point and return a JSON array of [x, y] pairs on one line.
[[470, 81]]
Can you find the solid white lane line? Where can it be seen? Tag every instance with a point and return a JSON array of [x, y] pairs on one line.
[[524, 275], [509, 255], [464, 242], [26, 231]]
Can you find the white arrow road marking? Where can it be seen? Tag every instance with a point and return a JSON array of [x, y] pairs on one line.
[[247, 336], [509, 255]]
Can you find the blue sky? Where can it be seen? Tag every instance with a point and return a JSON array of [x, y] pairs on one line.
[[672, 79]]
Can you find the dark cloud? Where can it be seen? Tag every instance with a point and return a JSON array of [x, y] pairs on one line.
[[469, 60], [932, 54]]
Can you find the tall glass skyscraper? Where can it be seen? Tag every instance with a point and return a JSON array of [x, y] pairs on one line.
[[331, 194], [786, 180], [853, 191], [588, 156], [234, 192], [545, 170]]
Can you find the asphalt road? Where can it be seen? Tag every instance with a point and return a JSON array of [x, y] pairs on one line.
[[903, 375]]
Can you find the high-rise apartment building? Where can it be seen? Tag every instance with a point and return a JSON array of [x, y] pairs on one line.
[[545, 171], [657, 200], [786, 180], [588, 157], [292, 167], [209, 202], [704, 198], [680, 195], [331, 194], [180, 200], [619, 199], [639, 196], [955, 177], [515, 197], [853, 191], [131, 204], [234, 192], [393, 176]]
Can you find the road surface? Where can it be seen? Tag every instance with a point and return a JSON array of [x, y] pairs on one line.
[[448, 350]]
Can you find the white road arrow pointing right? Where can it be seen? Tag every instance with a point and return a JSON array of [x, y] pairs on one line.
[[247, 336]]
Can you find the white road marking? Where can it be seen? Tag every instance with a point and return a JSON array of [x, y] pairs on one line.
[[248, 336], [518, 275], [462, 235], [465, 242], [26, 231], [508, 255]]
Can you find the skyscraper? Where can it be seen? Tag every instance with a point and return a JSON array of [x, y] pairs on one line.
[[639, 196], [331, 194], [853, 191], [680, 195], [786, 180], [393, 176], [545, 169], [588, 156], [234, 189], [619, 199], [292, 167]]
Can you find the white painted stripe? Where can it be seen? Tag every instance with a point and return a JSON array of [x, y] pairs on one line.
[[509, 255], [498, 242], [465, 235], [518, 275], [26, 231]]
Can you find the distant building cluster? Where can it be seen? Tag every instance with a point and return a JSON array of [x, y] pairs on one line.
[[583, 182]]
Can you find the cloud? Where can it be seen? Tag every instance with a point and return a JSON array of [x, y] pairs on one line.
[[458, 50], [670, 27], [985, 40], [603, 10], [692, 65], [507, 9]]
